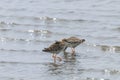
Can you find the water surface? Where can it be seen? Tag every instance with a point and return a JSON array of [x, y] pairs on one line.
[[27, 26]]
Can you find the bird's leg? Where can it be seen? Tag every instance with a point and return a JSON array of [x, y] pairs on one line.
[[65, 49], [73, 51], [54, 56]]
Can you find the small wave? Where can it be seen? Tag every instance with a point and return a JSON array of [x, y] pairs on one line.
[[6, 39], [10, 62], [61, 19], [23, 40], [23, 50], [93, 78], [45, 19], [5, 29], [35, 31], [94, 45], [110, 48], [40, 31], [111, 71], [18, 24], [2, 22], [105, 71], [116, 29], [6, 23], [107, 48]]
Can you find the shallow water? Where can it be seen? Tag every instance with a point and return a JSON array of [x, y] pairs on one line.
[[27, 26]]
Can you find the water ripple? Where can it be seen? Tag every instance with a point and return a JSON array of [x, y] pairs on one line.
[[108, 48], [4, 30], [45, 19], [111, 71], [7, 62], [23, 50], [25, 40], [116, 29], [40, 31]]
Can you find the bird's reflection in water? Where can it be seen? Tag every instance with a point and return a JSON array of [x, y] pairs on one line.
[[67, 66], [69, 58], [55, 69]]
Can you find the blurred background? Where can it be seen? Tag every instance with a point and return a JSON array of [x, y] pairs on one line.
[[27, 26]]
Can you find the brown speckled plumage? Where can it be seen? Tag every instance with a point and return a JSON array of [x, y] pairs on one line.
[[59, 46], [55, 48], [72, 42]]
